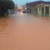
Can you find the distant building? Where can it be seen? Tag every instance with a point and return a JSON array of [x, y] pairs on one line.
[[41, 8], [23, 8], [16, 7]]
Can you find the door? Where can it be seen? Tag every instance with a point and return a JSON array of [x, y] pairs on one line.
[[42, 11], [47, 11]]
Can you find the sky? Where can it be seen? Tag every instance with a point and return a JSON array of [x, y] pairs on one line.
[[22, 2]]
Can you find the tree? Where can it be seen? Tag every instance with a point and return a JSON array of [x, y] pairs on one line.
[[6, 4]]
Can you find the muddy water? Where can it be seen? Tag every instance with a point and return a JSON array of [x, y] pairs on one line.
[[24, 32]]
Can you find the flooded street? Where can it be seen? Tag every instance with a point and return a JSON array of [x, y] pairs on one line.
[[24, 32]]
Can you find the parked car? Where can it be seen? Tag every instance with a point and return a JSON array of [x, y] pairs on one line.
[[24, 11]]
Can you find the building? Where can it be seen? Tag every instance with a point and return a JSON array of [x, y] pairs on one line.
[[41, 8]]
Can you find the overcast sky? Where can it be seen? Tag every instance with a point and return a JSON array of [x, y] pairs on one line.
[[21, 2]]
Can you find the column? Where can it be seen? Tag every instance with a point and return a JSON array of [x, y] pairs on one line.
[[41, 11], [38, 11], [49, 10]]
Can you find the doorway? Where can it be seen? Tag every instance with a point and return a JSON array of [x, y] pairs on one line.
[[47, 11], [42, 11]]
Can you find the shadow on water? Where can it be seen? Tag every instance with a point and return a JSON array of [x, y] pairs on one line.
[[5, 16]]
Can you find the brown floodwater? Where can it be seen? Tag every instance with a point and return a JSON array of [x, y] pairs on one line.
[[24, 32]]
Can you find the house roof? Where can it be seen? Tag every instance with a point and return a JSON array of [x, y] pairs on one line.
[[32, 4]]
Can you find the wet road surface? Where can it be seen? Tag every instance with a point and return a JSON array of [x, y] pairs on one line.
[[24, 32]]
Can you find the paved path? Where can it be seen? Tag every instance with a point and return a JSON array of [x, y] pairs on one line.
[[24, 32]]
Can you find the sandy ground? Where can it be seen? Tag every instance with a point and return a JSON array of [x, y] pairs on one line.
[[24, 32]]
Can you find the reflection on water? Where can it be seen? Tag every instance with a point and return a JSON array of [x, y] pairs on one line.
[[24, 33], [21, 13]]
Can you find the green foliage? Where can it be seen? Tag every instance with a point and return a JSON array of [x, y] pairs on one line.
[[7, 4]]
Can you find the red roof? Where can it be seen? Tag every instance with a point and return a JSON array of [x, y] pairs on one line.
[[32, 4]]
